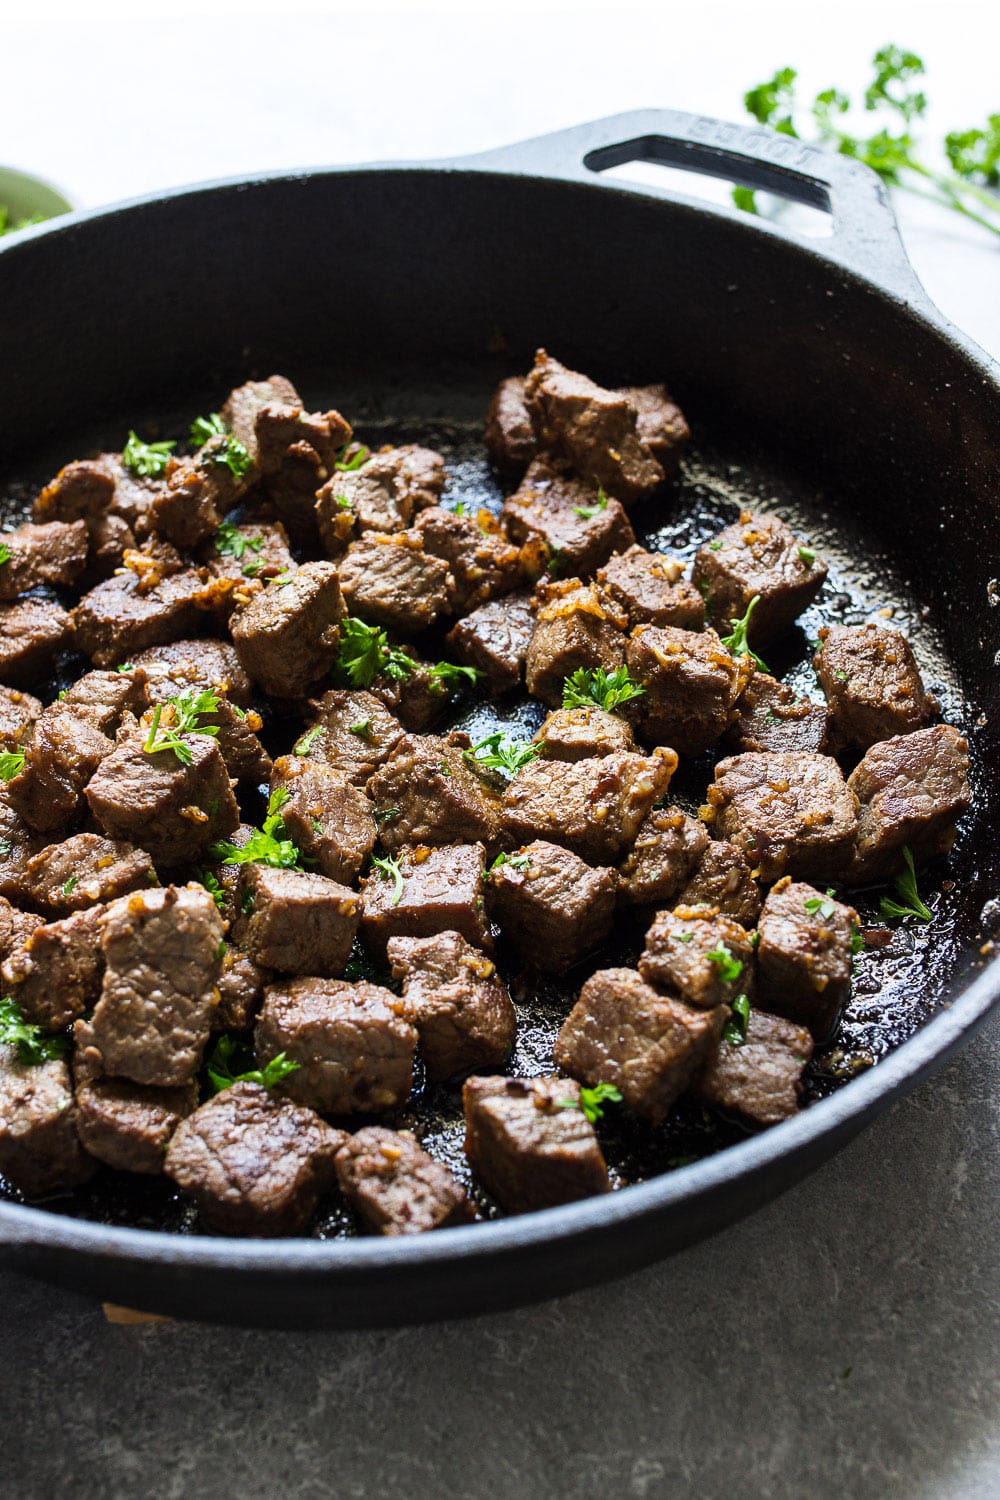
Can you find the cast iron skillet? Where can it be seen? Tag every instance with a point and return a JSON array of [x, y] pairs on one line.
[[820, 380]]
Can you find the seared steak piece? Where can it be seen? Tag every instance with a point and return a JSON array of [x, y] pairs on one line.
[[383, 494], [162, 953], [175, 811], [65, 751], [723, 881], [648, 1045], [395, 1187], [482, 562], [651, 589], [426, 793], [125, 1125], [419, 700], [758, 557], [329, 819], [81, 490], [40, 1152], [192, 667], [32, 632], [552, 906], [594, 807], [257, 549], [268, 418], [296, 923], [570, 525], [576, 733], [16, 927], [52, 555], [287, 635], [769, 716], [594, 428], [790, 814], [241, 990], [457, 1002], [356, 734], [691, 686], [912, 789], [392, 581], [705, 959], [495, 639], [576, 626], [660, 424], [121, 617], [353, 1042], [872, 684], [804, 955], [106, 697], [56, 976], [665, 855], [253, 1163], [199, 491], [529, 1142], [83, 870], [18, 713], [246, 759], [441, 891], [18, 843], [759, 1079], [510, 437]]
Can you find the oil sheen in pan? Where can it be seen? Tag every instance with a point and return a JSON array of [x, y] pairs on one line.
[[895, 988]]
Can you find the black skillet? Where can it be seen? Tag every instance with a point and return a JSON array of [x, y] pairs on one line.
[[820, 381]]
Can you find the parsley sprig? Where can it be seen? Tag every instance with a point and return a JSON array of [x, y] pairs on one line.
[[593, 1100], [364, 654], [516, 861], [5, 554], [29, 1041], [267, 845], [232, 455], [588, 512], [146, 460], [735, 1030], [184, 714], [389, 869], [501, 752], [608, 690], [220, 1065], [11, 764], [204, 428], [909, 903], [231, 542], [729, 968], [737, 643], [357, 460]]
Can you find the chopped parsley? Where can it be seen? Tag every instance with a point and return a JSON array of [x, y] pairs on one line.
[[385, 815], [223, 1060], [29, 1041], [819, 906], [909, 903], [735, 1030], [593, 1100], [714, 546], [231, 542], [11, 764], [857, 938], [516, 861], [500, 752], [186, 710], [214, 889], [145, 460], [588, 512], [808, 555], [608, 690], [364, 653], [356, 461], [125, 666], [202, 429], [363, 729], [445, 676], [389, 869], [70, 885], [729, 968], [309, 739], [4, 554], [343, 502], [737, 642], [268, 845], [232, 455]]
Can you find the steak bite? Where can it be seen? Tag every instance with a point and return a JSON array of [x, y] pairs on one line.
[[52, 555], [18, 843], [457, 1002], [268, 418], [594, 807], [296, 923], [16, 927], [253, 1163], [660, 424], [173, 810], [40, 1151], [789, 814], [353, 1043], [18, 714], [32, 633], [394, 582], [912, 789], [494, 639], [353, 732], [483, 563], [237, 738], [287, 636], [106, 697], [593, 428], [427, 793], [383, 494], [572, 525], [770, 717], [329, 819], [529, 1142], [722, 881], [125, 1125], [437, 890], [758, 558], [552, 906], [651, 589], [665, 855], [241, 990], [162, 951], [804, 955], [252, 550], [56, 975], [703, 958], [509, 435], [194, 666], [576, 627], [199, 492], [648, 1045], [872, 684], [84, 870], [577, 733], [759, 1079], [65, 751], [691, 686], [395, 1187], [121, 616]]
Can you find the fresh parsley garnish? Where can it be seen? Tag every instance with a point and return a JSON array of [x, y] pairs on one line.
[[363, 729], [516, 861], [593, 1100], [125, 666], [385, 815], [819, 906], [11, 764], [224, 1058], [364, 653], [737, 642], [145, 460], [357, 460], [735, 1030], [267, 845], [29, 1041], [214, 889], [857, 939], [500, 752], [447, 677], [808, 555], [608, 690], [204, 428], [5, 554], [343, 502], [729, 968], [231, 542], [588, 512], [309, 739], [389, 869], [909, 903], [70, 885], [460, 509], [184, 713], [232, 455]]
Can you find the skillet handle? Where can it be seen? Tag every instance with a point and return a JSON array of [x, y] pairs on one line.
[[865, 237]]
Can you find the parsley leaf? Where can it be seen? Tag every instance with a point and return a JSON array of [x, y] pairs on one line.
[[909, 904], [268, 845], [357, 460], [231, 542], [593, 1100], [305, 744], [145, 460], [29, 1041], [729, 968], [737, 642], [588, 512], [204, 428], [500, 752], [808, 555], [389, 869], [70, 885], [184, 713], [214, 889], [445, 676], [608, 690], [223, 1059], [11, 764], [819, 906], [5, 554], [363, 729], [735, 1030], [516, 861], [231, 455], [364, 653]]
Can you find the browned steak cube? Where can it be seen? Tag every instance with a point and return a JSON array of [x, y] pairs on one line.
[[789, 814], [162, 953], [722, 880], [40, 1151], [665, 854], [195, 666], [576, 627], [804, 955], [872, 684], [65, 751], [296, 923], [759, 1079], [437, 890], [268, 418], [769, 716], [125, 1125], [18, 714], [420, 700], [253, 1163], [246, 759], [174, 811], [660, 424], [495, 638], [691, 686], [395, 1187], [457, 1002], [552, 906], [577, 733], [32, 633], [483, 563], [353, 1043], [571, 526], [594, 807], [651, 589], [16, 927], [647, 1045], [758, 558], [83, 870], [241, 990], [426, 793], [594, 428], [383, 494], [705, 959], [509, 435], [329, 819], [529, 1142], [106, 697], [51, 555], [81, 490], [18, 843], [121, 617], [257, 549], [392, 581], [911, 790], [56, 976], [353, 731], [197, 495], [287, 636]]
